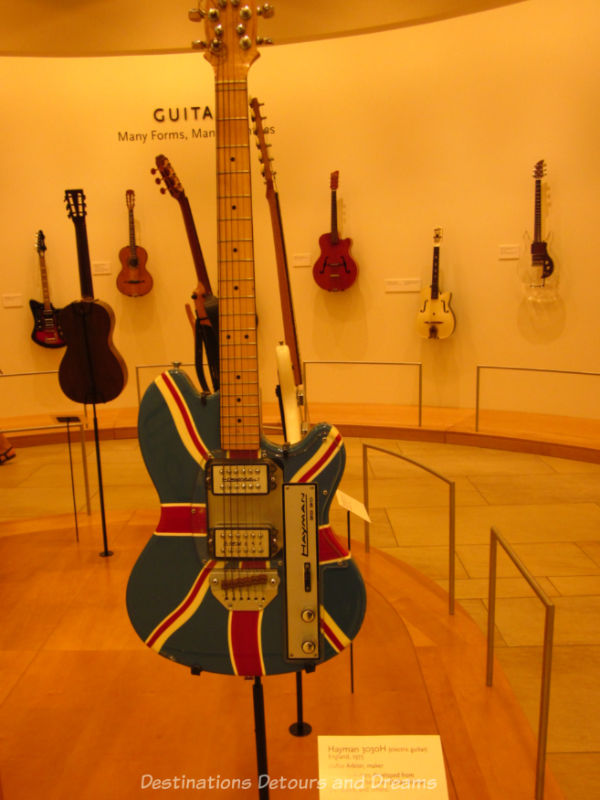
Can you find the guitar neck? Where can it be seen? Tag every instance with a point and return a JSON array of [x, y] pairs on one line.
[[435, 273], [44, 273], [239, 402], [131, 231], [537, 220], [334, 224], [197, 256], [285, 292], [83, 257]]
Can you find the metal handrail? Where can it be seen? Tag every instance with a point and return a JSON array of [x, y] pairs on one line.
[[496, 538], [451, 513], [371, 364], [519, 369]]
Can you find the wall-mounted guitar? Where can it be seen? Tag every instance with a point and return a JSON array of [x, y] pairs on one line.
[[91, 370], [335, 269], [243, 575], [435, 318], [289, 370], [205, 317], [134, 280], [46, 330], [541, 263]]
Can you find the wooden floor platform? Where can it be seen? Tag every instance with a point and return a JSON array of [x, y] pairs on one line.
[[87, 710], [544, 434]]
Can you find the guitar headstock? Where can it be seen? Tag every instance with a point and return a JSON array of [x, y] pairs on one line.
[[40, 242], [539, 170], [230, 29], [130, 199], [172, 182], [75, 200], [437, 236], [262, 144], [334, 180]]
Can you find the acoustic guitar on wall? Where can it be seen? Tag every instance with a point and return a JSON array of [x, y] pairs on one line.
[[335, 269], [435, 318], [46, 329], [133, 280]]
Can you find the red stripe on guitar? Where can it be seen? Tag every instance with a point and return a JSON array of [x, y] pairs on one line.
[[330, 547], [185, 414], [177, 519], [202, 577], [333, 640], [318, 465], [245, 642]]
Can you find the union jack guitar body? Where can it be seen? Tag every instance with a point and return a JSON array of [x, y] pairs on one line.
[[239, 580]]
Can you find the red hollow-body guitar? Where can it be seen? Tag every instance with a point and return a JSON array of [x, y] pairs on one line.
[[335, 269]]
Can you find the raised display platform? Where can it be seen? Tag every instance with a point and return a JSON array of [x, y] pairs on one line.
[[88, 711], [544, 434]]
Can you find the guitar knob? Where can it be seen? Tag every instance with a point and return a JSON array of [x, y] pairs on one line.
[[245, 42], [216, 45], [196, 14], [245, 12], [261, 40], [213, 14], [198, 44], [240, 29], [219, 30], [266, 10]]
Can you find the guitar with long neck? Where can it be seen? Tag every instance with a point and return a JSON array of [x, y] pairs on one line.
[[289, 370], [435, 318], [133, 280], [205, 317], [92, 370], [335, 269], [243, 575], [541, 262], [46, 329]]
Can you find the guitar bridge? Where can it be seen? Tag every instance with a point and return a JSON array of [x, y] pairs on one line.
[[244, 589]]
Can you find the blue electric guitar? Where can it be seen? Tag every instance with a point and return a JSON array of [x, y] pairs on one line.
[[243, 575]]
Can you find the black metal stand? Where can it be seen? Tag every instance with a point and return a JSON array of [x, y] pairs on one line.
[[300, 727], [106, 552], [261, 737]]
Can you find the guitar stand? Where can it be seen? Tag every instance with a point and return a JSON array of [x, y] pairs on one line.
[[261, 737], [106, 552], [300, 727]]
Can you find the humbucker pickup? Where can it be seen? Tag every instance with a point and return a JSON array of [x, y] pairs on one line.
[[231, 477], [243, 543]]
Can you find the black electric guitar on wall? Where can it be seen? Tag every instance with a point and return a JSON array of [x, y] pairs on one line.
[[91, 371], [435, 318], [541, 263], [46, 329], [244, 575], [133, 280]]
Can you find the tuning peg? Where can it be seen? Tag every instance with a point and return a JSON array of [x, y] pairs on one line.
[[266, 10], [196, 14], [198, 44], [261, 40]]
